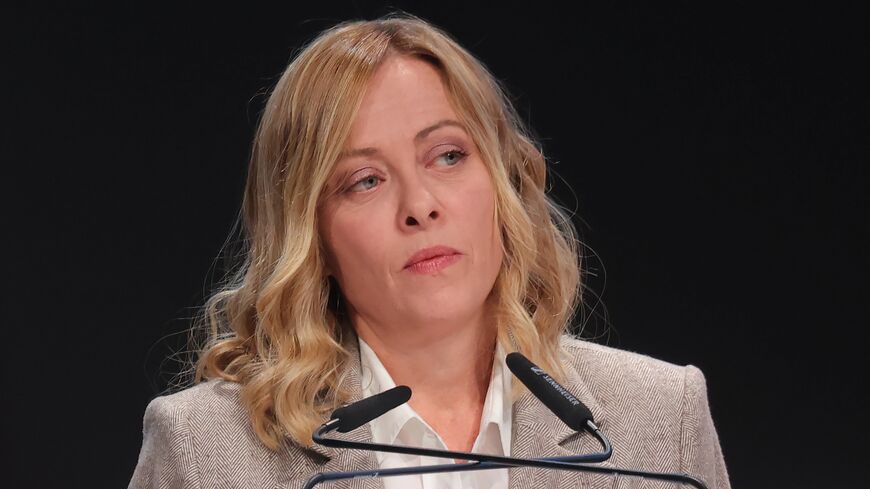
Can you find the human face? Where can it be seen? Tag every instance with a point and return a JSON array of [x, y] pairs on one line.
[[410, 179]]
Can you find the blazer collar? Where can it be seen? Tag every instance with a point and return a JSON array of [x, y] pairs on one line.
[[529, 411], [328, 459], [539, 433], [352, 382]]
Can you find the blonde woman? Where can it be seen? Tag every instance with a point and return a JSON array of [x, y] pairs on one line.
[[398, 232]]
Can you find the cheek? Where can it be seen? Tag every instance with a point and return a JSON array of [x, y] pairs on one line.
[[479, 201], [356, 245]]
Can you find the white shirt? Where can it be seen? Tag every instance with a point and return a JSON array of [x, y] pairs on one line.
[[403, 426]]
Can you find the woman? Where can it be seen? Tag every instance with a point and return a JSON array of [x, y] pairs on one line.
[[398, 232]]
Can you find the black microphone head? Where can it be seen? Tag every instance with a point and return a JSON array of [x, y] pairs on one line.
[[568, 408], [354, 415]]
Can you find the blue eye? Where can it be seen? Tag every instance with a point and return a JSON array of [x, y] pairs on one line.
[[365, 183], [453, 156]]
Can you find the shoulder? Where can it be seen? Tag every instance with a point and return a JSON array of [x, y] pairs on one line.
[[598, 363], [204, 419], [648, 402], [203, 437], [633, 390], [216, 401], [210, 416]]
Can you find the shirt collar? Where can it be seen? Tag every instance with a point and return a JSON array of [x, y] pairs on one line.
[[497, 408]]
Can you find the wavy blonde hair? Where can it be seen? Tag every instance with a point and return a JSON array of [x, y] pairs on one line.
[[269, 328]]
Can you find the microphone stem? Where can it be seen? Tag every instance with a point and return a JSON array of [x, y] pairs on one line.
[[481, 462]]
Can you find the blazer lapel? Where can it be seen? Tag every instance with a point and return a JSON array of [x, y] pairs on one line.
[[328, 459], [538, 433]]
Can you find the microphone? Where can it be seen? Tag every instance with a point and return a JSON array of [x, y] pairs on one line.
[[361, 412], [353, 416], [564, 405], [567, 407]]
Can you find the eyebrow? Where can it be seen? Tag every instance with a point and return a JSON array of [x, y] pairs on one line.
[[420, 136]]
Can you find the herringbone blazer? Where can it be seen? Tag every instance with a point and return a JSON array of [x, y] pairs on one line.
[[655, 413]]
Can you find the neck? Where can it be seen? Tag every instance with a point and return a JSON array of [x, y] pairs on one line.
[[447, 370]]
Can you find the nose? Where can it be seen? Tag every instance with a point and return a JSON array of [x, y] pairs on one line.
[[419, 209]]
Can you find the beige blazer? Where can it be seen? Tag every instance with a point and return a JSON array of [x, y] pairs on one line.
[[655, 413]]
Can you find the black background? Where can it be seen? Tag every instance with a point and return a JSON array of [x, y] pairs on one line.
[[717, 156]]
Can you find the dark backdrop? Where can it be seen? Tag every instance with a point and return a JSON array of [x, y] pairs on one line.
[[716, 155]]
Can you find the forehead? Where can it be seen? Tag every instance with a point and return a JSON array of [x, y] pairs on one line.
[[404, 95]]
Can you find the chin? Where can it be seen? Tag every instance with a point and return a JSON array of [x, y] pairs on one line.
[[446, 311]]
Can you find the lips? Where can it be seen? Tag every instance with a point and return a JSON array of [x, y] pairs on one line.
[[430, 253]]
